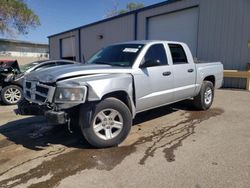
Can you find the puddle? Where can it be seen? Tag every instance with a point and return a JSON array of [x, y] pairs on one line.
[[167, 139], [176, 134], [72, 162]]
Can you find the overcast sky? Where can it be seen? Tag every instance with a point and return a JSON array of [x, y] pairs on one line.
[[60, 15]]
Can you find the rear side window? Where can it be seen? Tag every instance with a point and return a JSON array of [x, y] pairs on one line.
[[178, 54], [157, 53]]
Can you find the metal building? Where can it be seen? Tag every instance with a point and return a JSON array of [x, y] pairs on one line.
[[215, 30], [23, 51], [17, 48]]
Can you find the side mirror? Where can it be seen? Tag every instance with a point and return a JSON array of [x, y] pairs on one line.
[[150, 63]]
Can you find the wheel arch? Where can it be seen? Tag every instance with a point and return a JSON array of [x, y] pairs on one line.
[[124, 97], [11, 84], [210, 78]]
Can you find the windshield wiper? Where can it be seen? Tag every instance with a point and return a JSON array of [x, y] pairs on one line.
[[107, 63], [102, 63]]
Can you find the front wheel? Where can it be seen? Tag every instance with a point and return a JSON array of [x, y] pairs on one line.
[[11, 94], [108, 125], [204, 99]]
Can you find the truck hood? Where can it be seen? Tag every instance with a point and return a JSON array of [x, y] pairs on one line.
[[53, 74]]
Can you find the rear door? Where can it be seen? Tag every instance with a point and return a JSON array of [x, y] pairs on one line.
[[154, 83], [184, 73]]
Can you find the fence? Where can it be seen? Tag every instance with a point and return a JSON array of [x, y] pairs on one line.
[[238, 74]]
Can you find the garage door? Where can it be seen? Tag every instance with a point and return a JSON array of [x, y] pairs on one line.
[[178, 26], [68, 48]]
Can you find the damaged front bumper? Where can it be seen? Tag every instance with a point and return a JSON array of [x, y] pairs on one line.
[[52, 116], [26, 108], [55, 117]]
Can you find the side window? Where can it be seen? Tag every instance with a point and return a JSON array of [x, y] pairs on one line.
[[178, 54], [157, 53]]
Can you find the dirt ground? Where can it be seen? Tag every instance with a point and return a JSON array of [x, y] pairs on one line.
[[173, 146]]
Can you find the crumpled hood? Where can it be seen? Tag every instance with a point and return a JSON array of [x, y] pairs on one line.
[[53, 74]]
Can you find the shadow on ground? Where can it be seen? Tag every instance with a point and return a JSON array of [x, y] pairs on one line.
[[35, 133]]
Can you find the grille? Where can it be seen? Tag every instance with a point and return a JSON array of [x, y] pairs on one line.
[[42, 90], [28, 85], [28, 94], [40, 98], [36, 92]]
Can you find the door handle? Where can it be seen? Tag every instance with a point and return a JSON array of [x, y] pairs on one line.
[[166, 73], [190, 70]]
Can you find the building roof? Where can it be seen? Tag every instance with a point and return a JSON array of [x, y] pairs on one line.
[[118, 16], [21, 42]]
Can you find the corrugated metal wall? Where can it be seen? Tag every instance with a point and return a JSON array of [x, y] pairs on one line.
[[55, 46], [223, 32], [168, 8], [117, 30]]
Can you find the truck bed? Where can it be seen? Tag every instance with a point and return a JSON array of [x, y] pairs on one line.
[[206, 68]]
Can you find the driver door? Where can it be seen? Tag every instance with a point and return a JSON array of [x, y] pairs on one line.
[[154, 84]]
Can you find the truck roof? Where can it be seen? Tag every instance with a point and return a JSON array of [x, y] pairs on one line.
[[148, 42]]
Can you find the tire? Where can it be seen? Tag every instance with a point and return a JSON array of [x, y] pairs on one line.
[[22, 105], [27, 108], [204, 100], [107, 124], [11, 94]]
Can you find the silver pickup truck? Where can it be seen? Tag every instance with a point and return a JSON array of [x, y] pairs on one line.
[[104, 95]]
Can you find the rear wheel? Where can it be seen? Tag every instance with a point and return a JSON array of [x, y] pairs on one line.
[[11, 94], [108, 125], [204, 99]]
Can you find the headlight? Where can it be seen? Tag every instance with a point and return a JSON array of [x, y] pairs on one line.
[[71, 94]]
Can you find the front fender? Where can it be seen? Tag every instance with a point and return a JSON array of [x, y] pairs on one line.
[[97, 89], [103, 84], [100, 87]]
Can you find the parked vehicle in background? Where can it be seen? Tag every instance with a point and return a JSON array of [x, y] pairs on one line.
[[11, 77], [118, 82]]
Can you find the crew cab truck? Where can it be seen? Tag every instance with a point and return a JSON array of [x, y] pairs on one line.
[[118, 82]]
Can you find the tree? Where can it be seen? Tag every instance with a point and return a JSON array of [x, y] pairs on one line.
[[130, 7], [16, 17]]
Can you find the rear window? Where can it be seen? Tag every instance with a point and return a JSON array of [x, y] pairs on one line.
[[178, 54]]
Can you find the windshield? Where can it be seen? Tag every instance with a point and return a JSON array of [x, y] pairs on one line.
[[26, 67], [122, 55]]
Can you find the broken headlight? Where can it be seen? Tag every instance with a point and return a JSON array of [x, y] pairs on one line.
[[67, 94]]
